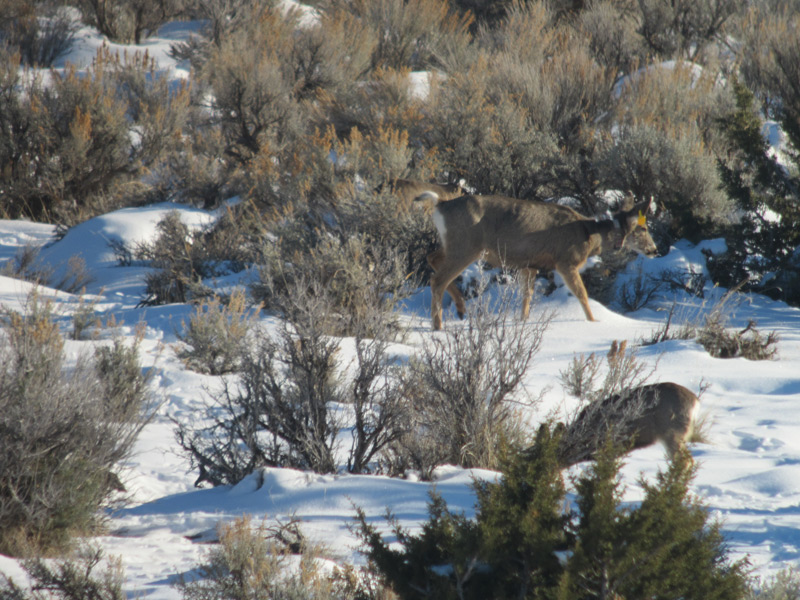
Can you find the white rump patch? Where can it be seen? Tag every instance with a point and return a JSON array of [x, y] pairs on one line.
[[695, 411]]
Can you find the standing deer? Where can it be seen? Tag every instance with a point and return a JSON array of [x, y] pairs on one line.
[[527, 235], [660, 412]]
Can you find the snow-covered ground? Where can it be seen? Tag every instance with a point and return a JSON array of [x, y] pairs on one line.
[[750, 467]]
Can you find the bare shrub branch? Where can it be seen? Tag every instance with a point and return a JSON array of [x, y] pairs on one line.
[[711, 331], [254, 562], [72, 578], [217, 334], [607, 409], [288, 406], [64, 429], [466, 385]]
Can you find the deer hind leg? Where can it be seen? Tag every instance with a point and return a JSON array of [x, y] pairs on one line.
[[674, 441], [575, 285], [436, 260], [527, 279]]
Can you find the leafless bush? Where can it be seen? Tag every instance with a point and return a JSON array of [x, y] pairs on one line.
[[68, 153], [666, 331], [680, 100], [519, 118], [217, 334], [411, 34], [253, 562], [255, 103], [623, 378], [223, 17], [84, 318], [39, 31], [290, 404], [784, 585], [71, 578], [385, 222], [683, 28], [65, 427], [689, 280], [184, 257], [623, 371], [25, 264], [720, 341], [676, 171], [612, 35], [359, 278], [487, 136], [128, 21], [770, 63], [124, 384], [638, 291], [465, 388], [383, 102]]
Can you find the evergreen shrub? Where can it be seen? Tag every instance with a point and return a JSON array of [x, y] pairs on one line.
[[523, 543]]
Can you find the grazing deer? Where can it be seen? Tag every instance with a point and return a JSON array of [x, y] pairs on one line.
[[527, 235], [408, 190], [648, 414]]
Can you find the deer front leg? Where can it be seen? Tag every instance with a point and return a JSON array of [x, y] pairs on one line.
[[527, 279], [575, 285], [437, 293]]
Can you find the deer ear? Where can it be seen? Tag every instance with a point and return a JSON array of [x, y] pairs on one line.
[[638, 214]]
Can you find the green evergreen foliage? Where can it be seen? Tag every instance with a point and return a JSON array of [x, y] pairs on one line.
[[522, 544], [521, 519], [508, 550], [663, 548], [761, 248]]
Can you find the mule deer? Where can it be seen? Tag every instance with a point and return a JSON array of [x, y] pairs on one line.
[[526, 235], [408, 190], [641, 417]]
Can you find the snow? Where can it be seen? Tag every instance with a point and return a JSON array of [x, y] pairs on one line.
[[750, 467], [695, 73]]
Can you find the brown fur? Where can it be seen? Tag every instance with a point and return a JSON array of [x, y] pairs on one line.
[[526, 235], [665, 414], [408, 190]]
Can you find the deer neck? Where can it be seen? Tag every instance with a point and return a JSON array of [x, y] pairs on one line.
[[604, 234]]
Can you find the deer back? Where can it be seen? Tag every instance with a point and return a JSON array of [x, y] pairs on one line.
[[668, 412], [661, 412], [408, 190], [534, 234], [517, 233]]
